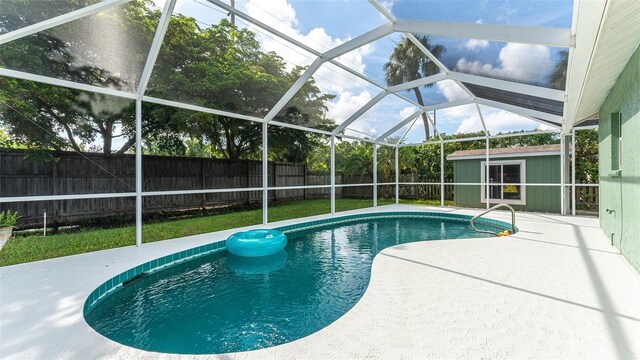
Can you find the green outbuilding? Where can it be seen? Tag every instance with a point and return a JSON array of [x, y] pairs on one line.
[[527, 178]]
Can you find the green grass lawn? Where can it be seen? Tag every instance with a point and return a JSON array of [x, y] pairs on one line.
[[35, 247]]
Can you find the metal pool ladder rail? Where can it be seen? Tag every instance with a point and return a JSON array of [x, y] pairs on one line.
[[501, 205]]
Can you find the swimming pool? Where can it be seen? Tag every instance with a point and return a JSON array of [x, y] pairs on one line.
[[216, 303]]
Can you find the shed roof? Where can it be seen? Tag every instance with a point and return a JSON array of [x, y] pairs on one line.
[[538, 150]]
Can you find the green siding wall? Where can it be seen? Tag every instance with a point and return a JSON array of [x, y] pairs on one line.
[[622, 193], [540, 169]]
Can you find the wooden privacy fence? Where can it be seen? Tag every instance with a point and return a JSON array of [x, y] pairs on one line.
[[67, 173], [423, 191], [587, 198]]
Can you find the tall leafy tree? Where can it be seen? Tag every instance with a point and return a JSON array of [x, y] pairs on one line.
[[223, 67], [220, 67], [407, 63], [49, 117]]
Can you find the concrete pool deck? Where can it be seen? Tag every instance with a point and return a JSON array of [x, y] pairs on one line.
[[557, 289]]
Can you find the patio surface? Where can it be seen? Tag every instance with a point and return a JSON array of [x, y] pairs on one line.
[[557, 289]]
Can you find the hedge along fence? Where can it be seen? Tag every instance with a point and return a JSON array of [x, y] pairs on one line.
[[66, 173]]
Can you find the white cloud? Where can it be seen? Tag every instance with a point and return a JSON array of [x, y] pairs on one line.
[[520, 62], [474, 44], [404, 113], [451, 91], [346, 104], [280, 15], [352, 92]]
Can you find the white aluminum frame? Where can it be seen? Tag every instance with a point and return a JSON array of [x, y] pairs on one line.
[[521, 34], [557, 37]]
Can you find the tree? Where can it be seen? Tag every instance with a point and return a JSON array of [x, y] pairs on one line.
[[558, 78], [355, 159], [49, 117], [223, 67], [407, 63], [586, 153], [220, 67], [586, 146]]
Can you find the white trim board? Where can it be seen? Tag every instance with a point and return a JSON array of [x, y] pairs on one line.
[[504, 156]]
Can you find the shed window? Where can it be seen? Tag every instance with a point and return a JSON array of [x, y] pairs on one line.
[[506, 182]]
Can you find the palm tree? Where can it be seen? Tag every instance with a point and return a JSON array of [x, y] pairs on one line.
[[558, 78], [407, 62]]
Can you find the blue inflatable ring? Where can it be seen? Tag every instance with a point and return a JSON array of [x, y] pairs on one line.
[[254, 243]]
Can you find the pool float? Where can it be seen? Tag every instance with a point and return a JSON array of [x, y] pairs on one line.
[[254, 243]]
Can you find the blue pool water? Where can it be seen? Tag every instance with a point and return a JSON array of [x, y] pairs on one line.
[[221, 303]]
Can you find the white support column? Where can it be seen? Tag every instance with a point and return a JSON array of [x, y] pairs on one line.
[[441, 173], [138, 172], [397, 175], [333, 174], [144, 80], [562, 212], [484, 126], [486, 174], [573, 172], [375, 175], [567, 172], [265, 173]]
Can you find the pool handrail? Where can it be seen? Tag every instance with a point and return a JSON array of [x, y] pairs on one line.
[[501, 205]]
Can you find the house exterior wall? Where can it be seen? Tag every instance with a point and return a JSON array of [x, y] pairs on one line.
[[621, 193], [539, 169]]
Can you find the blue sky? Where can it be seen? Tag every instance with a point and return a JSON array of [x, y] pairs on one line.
[[325, 24]]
